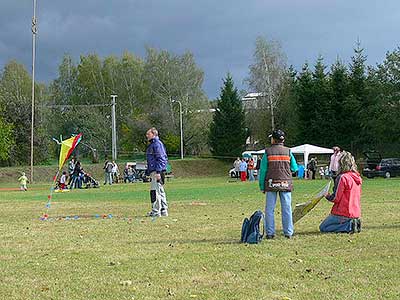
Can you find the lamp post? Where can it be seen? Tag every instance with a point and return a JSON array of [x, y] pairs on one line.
[[180, 123], [114, 129], [34, 32]]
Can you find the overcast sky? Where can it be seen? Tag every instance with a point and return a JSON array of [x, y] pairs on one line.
[[220, 33]]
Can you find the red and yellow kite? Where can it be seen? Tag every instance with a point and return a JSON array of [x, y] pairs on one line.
[[67, 146]]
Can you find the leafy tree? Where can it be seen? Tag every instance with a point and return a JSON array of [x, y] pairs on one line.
[[227, 131], [7, 140], [176, 77], [15, 98], [267, 75], [172, 143]]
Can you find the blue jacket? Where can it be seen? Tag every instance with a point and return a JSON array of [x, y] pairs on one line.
[[157, 158]]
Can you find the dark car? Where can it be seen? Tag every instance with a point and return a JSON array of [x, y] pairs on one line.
[[377, 167]]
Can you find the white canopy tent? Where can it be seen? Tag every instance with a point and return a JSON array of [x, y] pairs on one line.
[[308, 149], [305, 149]]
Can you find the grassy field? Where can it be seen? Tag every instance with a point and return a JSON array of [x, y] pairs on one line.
[[194, 253]]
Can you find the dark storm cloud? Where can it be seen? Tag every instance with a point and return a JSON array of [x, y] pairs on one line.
[[221, 34]]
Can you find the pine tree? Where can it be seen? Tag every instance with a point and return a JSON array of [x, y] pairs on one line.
[[287, 117], [227, 132], [321, 132], [339, 91], [355, 101], [305, 104]]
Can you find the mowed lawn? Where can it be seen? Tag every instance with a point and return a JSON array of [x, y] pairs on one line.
[[194, 253]]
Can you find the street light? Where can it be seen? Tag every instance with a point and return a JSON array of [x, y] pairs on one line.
[[180, 122], [34, 32], [114, 130]]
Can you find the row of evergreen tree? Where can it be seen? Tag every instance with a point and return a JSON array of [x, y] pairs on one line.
[[356, 107]]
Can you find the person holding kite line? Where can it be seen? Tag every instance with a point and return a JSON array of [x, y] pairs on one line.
[[157, 160], [346, 198], [275, 177]]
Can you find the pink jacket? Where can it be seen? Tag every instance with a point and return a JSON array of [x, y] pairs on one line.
[[346, 196]]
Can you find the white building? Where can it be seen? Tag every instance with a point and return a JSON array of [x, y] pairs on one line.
[[250, 100]]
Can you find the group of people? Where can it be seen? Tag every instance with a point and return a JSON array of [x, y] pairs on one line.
[[327, 172], [244, 168], [76, 177], [275, 177]]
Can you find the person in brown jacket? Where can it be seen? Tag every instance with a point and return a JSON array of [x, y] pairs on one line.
[[275, 177]]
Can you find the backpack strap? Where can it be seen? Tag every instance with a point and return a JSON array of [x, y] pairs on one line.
[[263, 226]]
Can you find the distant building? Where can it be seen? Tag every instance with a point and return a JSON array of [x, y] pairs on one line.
[[251, 100]]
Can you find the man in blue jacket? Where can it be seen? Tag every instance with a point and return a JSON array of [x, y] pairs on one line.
[[157, 160]]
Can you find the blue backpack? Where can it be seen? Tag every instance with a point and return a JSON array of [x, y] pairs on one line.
[[251, 228]]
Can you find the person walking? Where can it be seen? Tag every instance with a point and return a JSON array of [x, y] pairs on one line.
[[157, 160], [312, 167], [346, 197], [250, 167], [108, 168], [275, 177], [23, 180], [115, 172], [243, 170]]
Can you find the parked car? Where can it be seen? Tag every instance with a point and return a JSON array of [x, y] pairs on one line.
[[136, 172], [377, 167]]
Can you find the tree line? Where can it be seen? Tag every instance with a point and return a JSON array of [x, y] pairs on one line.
[[355, 106], [72, 103]]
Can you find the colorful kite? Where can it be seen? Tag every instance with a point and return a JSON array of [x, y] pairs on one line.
[[304, 208], [67, 146]]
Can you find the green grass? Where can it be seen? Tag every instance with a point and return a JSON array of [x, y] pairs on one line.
[[194, 253]]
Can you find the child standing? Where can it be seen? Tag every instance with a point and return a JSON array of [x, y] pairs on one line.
[[327, 172], [63, 181], [322, 172], [23, 181], [243, 170]]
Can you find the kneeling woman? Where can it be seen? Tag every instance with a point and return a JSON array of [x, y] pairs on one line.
[[346, 210]]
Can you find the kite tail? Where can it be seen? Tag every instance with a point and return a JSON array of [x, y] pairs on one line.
[[50, 197]]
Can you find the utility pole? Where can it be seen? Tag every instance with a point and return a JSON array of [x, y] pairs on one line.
[[34, 32], [114, 128], [181, 124]]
